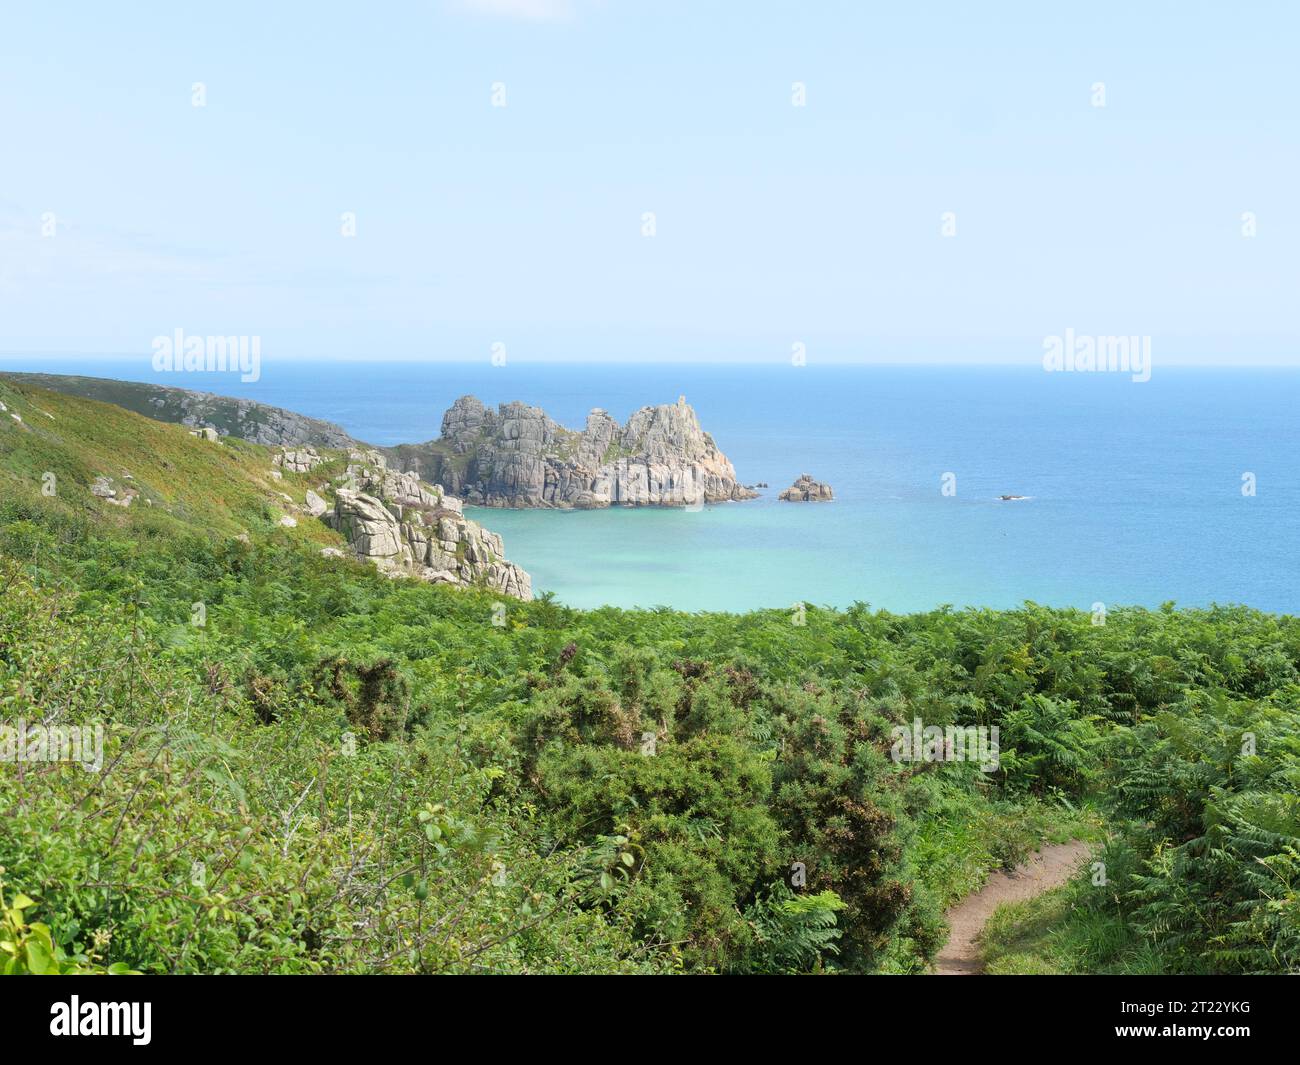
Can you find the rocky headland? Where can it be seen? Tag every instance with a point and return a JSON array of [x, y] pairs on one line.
[[517, 456], [513, 456], [412, 522]]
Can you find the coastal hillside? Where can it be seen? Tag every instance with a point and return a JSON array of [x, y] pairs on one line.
[[246, 419], [303, 763], [93, 461], [517, 456]]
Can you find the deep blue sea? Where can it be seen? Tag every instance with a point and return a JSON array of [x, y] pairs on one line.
[[1135, 488]]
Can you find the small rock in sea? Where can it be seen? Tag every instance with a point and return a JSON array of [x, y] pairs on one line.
[[807, 490]]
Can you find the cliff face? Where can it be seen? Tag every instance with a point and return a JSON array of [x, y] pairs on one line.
[[516, 456], [406, 527]]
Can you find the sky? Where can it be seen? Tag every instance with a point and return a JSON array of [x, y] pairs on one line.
[[943, 188]]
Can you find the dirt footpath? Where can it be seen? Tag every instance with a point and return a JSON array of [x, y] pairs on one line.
[[1048, 868]]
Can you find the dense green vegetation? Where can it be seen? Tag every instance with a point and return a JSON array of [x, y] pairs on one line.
[[1202, 870], [337, 772]]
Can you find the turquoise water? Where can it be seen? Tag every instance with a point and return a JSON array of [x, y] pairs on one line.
[[1135, 488]]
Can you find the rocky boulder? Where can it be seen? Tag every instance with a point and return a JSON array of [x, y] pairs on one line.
[[103, 488], [297, 460], [314, 504], [807, 490]]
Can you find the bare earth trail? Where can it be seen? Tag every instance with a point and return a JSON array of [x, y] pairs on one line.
[[1048, 868]]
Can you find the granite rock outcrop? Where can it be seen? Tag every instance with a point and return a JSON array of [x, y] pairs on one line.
[[407, 527], [518, 456]]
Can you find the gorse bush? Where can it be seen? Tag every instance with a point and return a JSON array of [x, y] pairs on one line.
[[375, 696]]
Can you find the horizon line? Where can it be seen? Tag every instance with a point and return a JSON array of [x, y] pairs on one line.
[[1025, 364]]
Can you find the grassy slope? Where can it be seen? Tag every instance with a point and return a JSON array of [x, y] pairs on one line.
[[174, 405], [193, 485]]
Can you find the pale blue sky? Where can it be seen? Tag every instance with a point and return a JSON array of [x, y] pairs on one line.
[[775, 224]]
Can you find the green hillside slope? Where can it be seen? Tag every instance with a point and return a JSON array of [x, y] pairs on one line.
[[58, 446], [244, 418]]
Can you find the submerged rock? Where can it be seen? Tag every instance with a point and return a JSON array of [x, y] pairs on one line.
[[807, 490]]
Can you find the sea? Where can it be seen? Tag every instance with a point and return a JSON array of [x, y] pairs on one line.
[[1184, 488]]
